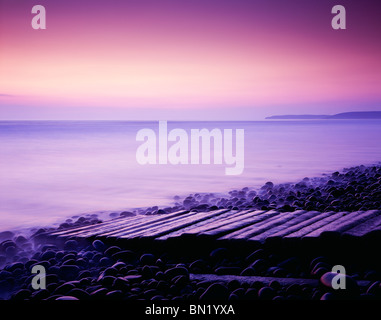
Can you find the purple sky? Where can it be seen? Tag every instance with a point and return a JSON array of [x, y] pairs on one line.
[[188, 59]]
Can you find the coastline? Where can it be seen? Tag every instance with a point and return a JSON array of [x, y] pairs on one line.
[[97, 269]]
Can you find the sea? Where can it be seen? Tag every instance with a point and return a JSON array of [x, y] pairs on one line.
[[53, 170]]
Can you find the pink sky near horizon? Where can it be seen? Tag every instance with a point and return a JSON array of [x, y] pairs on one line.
[[127, 58]]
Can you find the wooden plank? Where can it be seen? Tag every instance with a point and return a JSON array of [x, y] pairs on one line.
[[284, 226], [312, 217], [101, 226], [233, 224], [261, 227], [167, 227], [150, 224], [356, 220], [211, 223], [316, 225], [365, 227], [333, 225], [118, 224], [239, 227]]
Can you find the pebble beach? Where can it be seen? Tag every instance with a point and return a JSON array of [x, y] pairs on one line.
[[104, 269]]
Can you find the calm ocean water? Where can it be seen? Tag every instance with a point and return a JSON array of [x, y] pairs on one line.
[[51, 170]]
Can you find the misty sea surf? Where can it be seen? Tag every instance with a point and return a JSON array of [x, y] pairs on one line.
[[52, 170]]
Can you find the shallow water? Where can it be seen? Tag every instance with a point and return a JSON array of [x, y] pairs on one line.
[[51, 170]]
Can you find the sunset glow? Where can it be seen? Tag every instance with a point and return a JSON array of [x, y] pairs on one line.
[[259, 56]]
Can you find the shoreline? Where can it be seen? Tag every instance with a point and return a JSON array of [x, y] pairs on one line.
[[96, 269]]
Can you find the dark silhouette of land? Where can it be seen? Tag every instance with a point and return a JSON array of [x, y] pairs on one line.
[[344, 115]]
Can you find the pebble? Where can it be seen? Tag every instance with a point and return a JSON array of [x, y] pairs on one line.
[[124, 255], [216, 291], [47, 255], [111, 250], [147, 259], [173, 272], [266, 293], [66, 298], [219, 253], [98, 245], [351, 287], [71, 245], [69, 272], [6, 235]]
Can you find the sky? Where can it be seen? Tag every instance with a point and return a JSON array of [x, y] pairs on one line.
[[187, 59]]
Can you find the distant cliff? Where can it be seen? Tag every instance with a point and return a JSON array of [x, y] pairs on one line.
[[344, 115]]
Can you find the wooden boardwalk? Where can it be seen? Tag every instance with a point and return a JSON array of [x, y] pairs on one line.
[[227, 224]]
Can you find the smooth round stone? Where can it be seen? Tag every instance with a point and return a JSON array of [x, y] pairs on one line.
[[127, 214], [180, 281], [98, 245], [51, 278], [67, 298], [69, 262], [69, 256], [22, 294], [71, 245], [248, 272], [48, 255], [6, 235], [147, 259], [107, 281], [113, 214], [259, 265], [69, 272], [115, 294], [233, 284], [112, 250], [119, 265], [250, 294], [177, 271], [7, 243], [45, 264], [328, 296], [99, 293], [266, 293], [227, 271], [125, 255], [133, 278], [10, 251], [79, 293], [111, 271], [120, 284], [275, 285], [40, 294], [375, 289], [88, 255], [216, 291], [290, 263], [96, 257], [239, 292], [147, 272], [14, 266], [258, 254], [20, 240], [351, 287], [219, 253], [104, 262], [64, 288]]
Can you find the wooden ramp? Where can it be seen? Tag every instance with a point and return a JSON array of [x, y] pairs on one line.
[[227, 224]]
